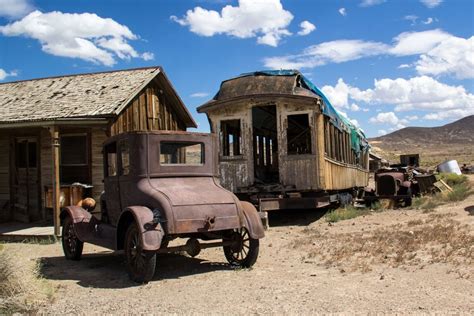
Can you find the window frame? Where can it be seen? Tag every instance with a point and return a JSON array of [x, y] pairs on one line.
[[221, 139], [190, 143], [309, 115], [106, 160], [86, 153]]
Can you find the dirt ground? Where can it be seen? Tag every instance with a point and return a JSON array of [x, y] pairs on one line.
[[396, 261]]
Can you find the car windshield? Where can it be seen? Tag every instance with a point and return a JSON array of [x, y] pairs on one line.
[[181, 153]]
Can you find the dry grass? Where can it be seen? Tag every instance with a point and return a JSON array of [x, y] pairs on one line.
[[344, 213], [22, 290], [462, 188], [437, 239]]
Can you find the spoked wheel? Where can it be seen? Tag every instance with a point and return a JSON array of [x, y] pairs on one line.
[[140, 264], [243, 251], [72, 246]]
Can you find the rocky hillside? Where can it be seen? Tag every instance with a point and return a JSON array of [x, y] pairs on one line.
[[434, 144]]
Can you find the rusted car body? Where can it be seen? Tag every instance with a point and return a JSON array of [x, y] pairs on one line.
[[160, 186], [393, 184]]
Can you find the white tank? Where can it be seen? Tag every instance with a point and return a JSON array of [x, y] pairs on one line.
[[449, 166]]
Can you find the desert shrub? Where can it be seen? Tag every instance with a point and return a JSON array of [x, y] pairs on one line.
[[452, 179], [22, 290], [461, 190], [376, 206], [459, 193], [344, 213], [418, 202]]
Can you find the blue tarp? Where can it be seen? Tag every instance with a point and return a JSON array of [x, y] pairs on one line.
[[358, 139]]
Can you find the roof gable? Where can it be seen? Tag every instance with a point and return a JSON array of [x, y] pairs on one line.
[[93, 95]]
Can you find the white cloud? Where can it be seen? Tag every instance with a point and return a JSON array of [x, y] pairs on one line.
[[199, 95], [402, 66], [4, 74], [411, 18], [440, 53], [382, 132], [328, 52], [14, 9], [265, 19], [365, 110], [306, 28], [428, 21], [411, 117], [342, 11], [385, 118], [413, 43], [148, 56], [355, 107], [369, 3], [431, 3], [454, 56], [85, 36], [415, 94]]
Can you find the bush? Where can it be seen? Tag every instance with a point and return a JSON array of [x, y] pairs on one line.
[[452, 179], [459, 193], [22, 290], [347, 212]]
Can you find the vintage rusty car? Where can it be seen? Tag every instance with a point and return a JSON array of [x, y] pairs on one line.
[[160, 186]]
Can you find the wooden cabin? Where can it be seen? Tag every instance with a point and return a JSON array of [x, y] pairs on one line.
[[280, 137], [52, 130]]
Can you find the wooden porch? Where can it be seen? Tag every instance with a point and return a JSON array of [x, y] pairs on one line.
[[26, 232]]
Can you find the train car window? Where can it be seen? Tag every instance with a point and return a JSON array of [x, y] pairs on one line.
[[298, 134], [230, 138]]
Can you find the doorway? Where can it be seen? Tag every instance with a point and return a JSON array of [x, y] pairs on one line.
[[25, 180], [265, 144]]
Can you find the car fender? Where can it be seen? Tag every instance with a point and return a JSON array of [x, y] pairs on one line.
[[252, 220], [151, 234], [82, 219]]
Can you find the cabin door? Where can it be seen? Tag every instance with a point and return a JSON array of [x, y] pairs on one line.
[[25, 180], [265, 144]]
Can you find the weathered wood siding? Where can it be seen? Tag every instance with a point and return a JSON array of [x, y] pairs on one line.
[[299, 171], [98, 137], [235, 172], [150, 110], [4, 168], [342, 176]]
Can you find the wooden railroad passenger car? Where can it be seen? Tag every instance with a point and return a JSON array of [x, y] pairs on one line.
[[282, 145], [52, 130]]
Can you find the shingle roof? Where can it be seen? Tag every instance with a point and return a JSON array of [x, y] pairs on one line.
[[92, 95]]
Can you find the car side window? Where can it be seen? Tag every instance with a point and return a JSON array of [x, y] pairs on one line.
[[111, 159], [125, 157]]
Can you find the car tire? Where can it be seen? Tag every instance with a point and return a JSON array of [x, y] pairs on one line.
[[72, 246], [140, 264], [244, 251]]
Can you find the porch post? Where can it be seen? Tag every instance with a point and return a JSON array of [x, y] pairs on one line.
[[56, 184]]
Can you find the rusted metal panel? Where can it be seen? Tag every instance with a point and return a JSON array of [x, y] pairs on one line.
[[255, 85]]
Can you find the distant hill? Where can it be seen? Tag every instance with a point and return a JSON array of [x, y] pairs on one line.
[[434, 144]]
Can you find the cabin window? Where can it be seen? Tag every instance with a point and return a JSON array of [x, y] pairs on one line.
[[230, 138], [298, 134], [111, 160], [26, 156], [125, 157], [74, 158], [181, 153]]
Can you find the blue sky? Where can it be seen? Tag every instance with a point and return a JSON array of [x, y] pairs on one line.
[[386, 64]]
